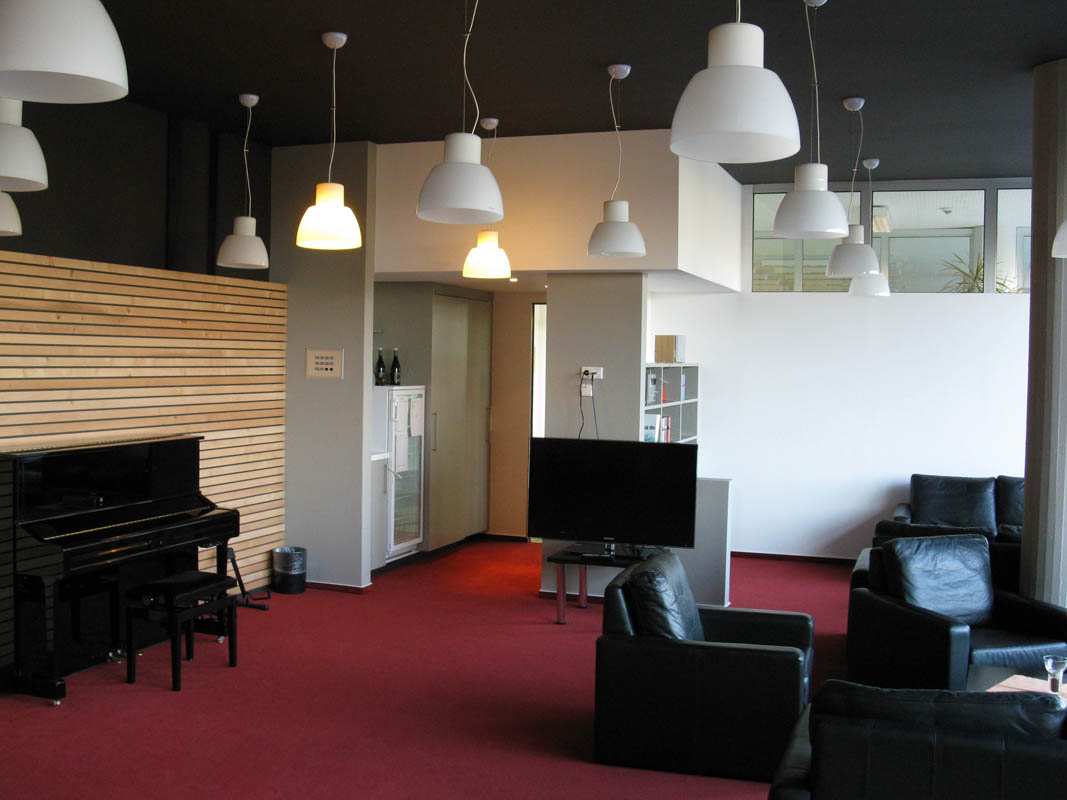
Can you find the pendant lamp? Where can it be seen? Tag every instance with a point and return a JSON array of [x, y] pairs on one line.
[[10, 222], [871, 283], [460, 190], [242, 249], [22, 167], [60, 51], [616, 236], [487, 260], [810, 211], [1059, 244], [736, 111], [330, 224], [853, 256]]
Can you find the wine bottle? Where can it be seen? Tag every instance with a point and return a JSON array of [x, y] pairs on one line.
[[379, 370], [394, 370]]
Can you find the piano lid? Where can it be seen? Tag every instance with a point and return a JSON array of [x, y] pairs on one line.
[[90, 480]]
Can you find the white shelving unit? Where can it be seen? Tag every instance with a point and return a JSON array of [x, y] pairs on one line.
[[671, 393]]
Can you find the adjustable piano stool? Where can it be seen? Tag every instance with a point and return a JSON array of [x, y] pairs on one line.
[[176, 601]]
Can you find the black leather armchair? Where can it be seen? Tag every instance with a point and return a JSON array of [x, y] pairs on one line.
[[948, 505], [929, 614], [861, 743], [704, 691]]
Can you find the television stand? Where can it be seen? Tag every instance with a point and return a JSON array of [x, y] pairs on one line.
[[582, 555]]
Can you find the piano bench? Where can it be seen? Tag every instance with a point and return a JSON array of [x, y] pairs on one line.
[[176, 601]]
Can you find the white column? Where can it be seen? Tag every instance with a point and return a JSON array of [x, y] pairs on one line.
[[1044, 566]]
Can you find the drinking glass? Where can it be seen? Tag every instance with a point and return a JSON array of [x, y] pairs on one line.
[[1054, 666]]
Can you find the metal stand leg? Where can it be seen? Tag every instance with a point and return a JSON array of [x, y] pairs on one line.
[[582, 599], [561, 594]]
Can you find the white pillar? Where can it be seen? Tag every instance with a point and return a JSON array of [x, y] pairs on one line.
[[1044, 566]]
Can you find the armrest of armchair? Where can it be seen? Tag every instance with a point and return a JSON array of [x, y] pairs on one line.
[[1014, 612], [896, 645], [902, 513], [754, 626], [706, 708]]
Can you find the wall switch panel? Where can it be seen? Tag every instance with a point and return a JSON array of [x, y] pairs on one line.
[[325, 364], [596, 373]]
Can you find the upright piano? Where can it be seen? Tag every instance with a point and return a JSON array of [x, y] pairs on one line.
[[78, 525]]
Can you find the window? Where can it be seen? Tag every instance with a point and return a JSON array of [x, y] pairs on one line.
[[934, 241], [1013, 240], [791, 265]]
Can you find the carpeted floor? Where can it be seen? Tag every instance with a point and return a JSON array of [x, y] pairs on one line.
[[448, 679]]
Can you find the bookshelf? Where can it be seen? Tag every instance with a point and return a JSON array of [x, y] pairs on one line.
[[671, 393]]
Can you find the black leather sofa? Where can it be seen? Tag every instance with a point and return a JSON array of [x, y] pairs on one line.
[[857, 742], [945, 504], [925, 614], [702, 691]]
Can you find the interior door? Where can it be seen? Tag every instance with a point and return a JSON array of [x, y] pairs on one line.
[[448, 515]]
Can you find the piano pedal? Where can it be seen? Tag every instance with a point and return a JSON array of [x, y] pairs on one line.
[[221, 639], [55, 703]]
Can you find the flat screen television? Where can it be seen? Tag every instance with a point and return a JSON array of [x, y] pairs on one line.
[[635, 493]]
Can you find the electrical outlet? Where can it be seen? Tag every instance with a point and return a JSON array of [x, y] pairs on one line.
[[597, 373]]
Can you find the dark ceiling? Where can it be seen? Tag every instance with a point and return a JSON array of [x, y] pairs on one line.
[[948, 82]]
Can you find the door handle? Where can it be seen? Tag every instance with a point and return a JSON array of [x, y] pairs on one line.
[[433, 445]]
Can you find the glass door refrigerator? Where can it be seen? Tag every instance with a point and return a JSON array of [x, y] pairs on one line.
[[399, 413]]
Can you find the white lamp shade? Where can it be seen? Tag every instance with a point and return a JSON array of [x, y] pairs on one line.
[[329, 224], [22, 166], [735, 111], [869, 284], [487, 260], [810, 211], [60, 51], [852, 257], [460, 190], [616, 236], [1059, 244], [10, 222], [242, 249]]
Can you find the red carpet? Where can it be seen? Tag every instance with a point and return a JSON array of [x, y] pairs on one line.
[[449, 679]]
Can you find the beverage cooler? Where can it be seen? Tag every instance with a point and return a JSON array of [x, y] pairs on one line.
[[399, 424]]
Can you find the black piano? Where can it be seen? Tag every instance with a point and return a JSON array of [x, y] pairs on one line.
[[77, 526]]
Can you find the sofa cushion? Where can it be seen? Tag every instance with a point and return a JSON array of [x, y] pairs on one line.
[[887, 529], [660, 600], [1009, 713], [1009, 500], [1010, 533], [992, 647], [946, 574], [947, 500]]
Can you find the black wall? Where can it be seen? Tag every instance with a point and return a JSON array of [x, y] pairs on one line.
[[128, 185]]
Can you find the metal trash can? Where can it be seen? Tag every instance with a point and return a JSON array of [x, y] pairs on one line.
[[290, 567]]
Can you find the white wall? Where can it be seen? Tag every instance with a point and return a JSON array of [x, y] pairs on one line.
[[709, 223], [819, 407]]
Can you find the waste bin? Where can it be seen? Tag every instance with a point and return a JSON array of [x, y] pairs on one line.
[[290, 567]]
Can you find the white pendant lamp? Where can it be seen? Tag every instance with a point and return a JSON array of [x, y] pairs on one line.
[[242, 249], [873, 282], [1059, 244], [736, 111], [487, 260], [616, 236], [60, 51], [810, 211], [10, 222], [853, 256], [461, 190], [22, 167], [330, 224]]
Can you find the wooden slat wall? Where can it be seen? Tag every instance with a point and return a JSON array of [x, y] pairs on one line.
[[99, 352]]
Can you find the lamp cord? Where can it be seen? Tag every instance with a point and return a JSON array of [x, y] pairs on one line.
[[855, 167], [618, 136], [248, 181], [466, 79], [738, 10], [581, 410], [333, 117], [815, 85]]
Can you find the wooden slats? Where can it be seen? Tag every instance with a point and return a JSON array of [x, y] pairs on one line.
[[95, 352]]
